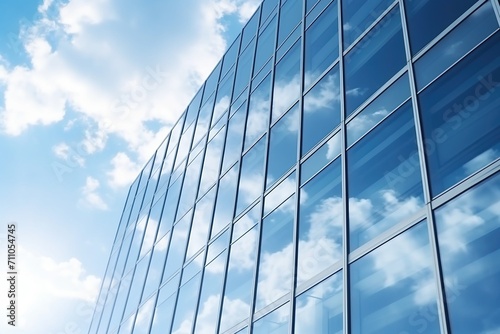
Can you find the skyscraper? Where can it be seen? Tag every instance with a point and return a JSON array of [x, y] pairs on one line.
[[336, 173]]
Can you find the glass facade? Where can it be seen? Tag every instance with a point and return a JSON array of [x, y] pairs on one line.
[[338, 172]]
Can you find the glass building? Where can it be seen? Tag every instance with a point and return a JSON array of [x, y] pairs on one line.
[[338, 172]]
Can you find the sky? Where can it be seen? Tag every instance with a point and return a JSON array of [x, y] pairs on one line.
[[88, 89]]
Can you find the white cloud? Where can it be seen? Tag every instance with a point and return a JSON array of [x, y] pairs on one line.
[[123, 171], [63, 151], [90, 195]]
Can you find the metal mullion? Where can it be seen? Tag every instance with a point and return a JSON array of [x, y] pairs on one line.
[[368, 29], [496, 8], [112, 272], [431, 228], [343, 157]]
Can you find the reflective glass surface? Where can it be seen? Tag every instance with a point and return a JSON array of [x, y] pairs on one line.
[[468, 233], [265, 45], [280, 193], [290, 14], [286, 81], [460, 117], [276, 250], [283, 145], [250, 29], [321, 110], [374, 60], [156, 267], [323, 155], [230, 57], [393, 288], [320, 223], [234, 140], [211, 164], [456, 44], [379, 108], [164, 311], [321, 44], [319, 310], [359, 16], [190, 186], [200, 228], [252, 175], [226, 197], [276, 322], [440, 12], [384, 182], [223, 99], [239, 284], [258, 112], [244, 69], [186, 306], [177, 249]]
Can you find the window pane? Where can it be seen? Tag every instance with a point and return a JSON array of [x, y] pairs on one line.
[[211, 164], [290, 15], [258, 112], [275, 322], [246, 222], [252, 175], [177, 248], [168, 215], [267, 8], [382, 106], [234, 140], [201, 223], [230, 56], [384, 182], [374, 60], [186, 306], [460, 117], [265, 45], [319, 310], [190, 186], [211, 83], [239, 283], [156, 267], [393, 288], [326, 153], [280, 193], [320, 223], [283, 145], [457, 43], [321, 44], [426, 19], [223, 96], [244, 70], [208, 310], [358, 17], [144, 316], [250, 29], [468, 233], [321, 110], [226, 197], [162, 318], [287, 78], [204, 119], [276, 254]]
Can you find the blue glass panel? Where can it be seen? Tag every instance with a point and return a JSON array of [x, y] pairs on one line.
[[326, 153], [208, 309], [379, 108], [244, 70], [135, 293], [321, 44], [226, 196], [170, 208], [144, 316], [288, 43], [468, 233], [319, 310], [359, 16], [204, 119], [267, 8], [184, 145], [230, 56], [186, 306], [201, 223], [460, 117], [265, 45], [276, 255], [457, 43], [374, 60], [246, 222], [211, 164], [164, 312], [287, 79], [223, 99], [234, 140], [190, 186], [384, 182], [321, 110], [321, 5], [239, 283], [280, 193], [252, 175], [426, 18], [320, 223], [250, 29], [276, 322], [177, 249], [393, 288], [156, 267], [218, 246], [283, 145], [211, 83], [290, 15], [258, 112]]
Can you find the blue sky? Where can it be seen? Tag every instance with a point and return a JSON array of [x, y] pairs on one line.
[[88, 89]]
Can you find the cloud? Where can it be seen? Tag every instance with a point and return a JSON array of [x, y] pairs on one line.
[[90, 195], [123, 170], [63, 151], [117, 64]]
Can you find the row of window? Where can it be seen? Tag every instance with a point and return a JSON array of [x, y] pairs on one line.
[[199, 179]]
